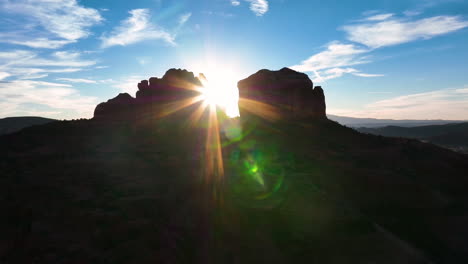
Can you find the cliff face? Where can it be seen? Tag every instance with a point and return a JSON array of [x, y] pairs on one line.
[[287, 93]]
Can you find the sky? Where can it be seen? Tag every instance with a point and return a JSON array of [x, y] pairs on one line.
[[398, 59]]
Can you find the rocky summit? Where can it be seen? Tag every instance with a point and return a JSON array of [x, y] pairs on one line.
[[286, 93], [153, 97]]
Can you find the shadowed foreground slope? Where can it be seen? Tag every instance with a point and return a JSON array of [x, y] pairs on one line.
[[295, 190]]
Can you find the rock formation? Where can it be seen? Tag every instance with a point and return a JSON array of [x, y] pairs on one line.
[[175, 85], [152, 98], [287, 93], [121, 107]]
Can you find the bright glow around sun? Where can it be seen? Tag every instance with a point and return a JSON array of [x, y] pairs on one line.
[[220, 88]]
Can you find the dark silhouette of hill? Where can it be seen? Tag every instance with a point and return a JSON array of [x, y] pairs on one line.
[[453, 136], [375, 123], [13, 124], [295, 187]]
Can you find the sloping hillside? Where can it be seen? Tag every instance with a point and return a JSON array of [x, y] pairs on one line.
[[299, 189], [454, 136], [13, 124]]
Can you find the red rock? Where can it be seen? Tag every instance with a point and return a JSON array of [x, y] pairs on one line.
[[284, 94]]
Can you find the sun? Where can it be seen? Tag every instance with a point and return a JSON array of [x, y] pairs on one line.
[[220, 89]]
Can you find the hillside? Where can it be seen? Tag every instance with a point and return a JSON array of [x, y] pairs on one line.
[[454, 136], [375, 123], [294, 187], [13, 124]]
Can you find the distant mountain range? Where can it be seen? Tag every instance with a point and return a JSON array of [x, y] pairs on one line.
[[373, 122], [13, 124], [453, 136]]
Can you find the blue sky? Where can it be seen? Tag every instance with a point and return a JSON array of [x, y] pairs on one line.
[[383, 59]]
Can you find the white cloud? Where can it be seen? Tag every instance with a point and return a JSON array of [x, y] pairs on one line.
[[66, 55], [220, 14], [129, 85], [449, 104], [15, 54], [35, 60], [329, 64], [61, 99], [43, 43], [361, 74], [377, 31], [47, 20], [24, 64], [379, 17], [136, 28], [184, 18], [4, 75], [37, 73], [398, 31], [259, 7], [235, 2], [338, 72], [336, 55], [76, 80], [411, 13]]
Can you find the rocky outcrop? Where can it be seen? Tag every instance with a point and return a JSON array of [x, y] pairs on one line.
[[121, 107], [270, 94], [175, 85], [283, 94], [153, 98]]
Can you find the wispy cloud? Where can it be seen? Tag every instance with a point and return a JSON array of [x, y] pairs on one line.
[[66, 55], [218, 13], [184, 18], [338, 72], [397, 31], [52, 24], [129, 85], [23, 64], [410, 13], [335, 55], [136, 28], [259, 7], [77, 80], [42, 43], [427, 4], [374, 31], [4, 75], [329, 63], [361, 74], [16, 98], [235, 2], [29, 58], [37, 73], [379, 17], [439, 104]]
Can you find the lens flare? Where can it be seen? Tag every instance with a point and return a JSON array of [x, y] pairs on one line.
[[219, 88]]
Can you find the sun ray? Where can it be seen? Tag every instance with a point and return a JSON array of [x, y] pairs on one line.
[[260, 109], [213, 152], [195, 117], [172, 107]]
